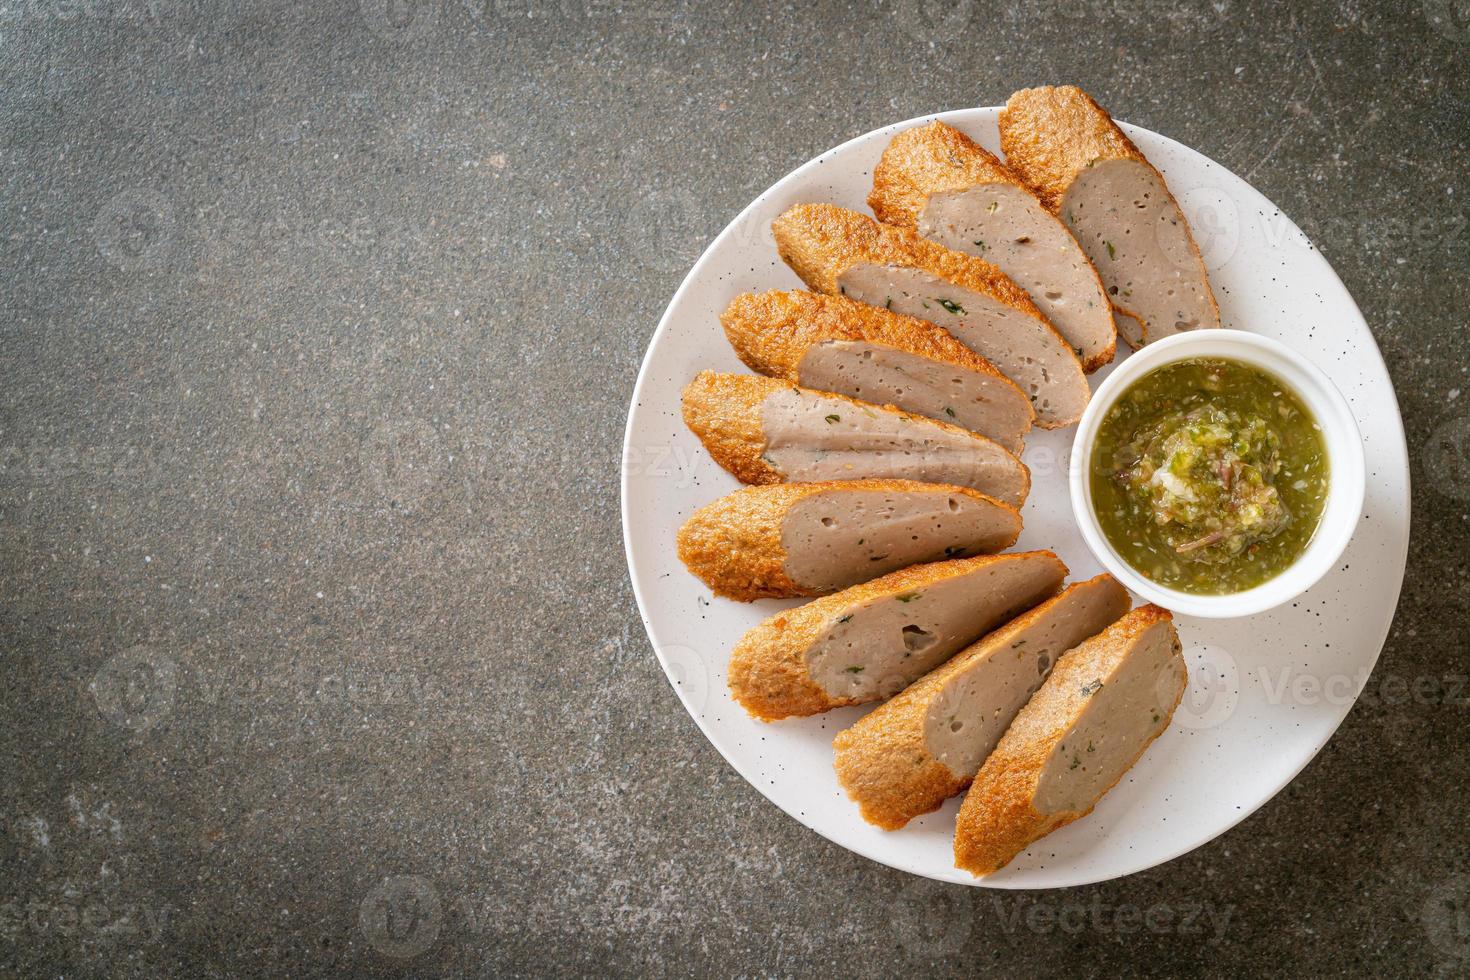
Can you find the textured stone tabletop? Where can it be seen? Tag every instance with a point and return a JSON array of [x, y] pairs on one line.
[[318, 328]]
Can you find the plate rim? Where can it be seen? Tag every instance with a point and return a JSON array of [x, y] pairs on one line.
[[644, 370]]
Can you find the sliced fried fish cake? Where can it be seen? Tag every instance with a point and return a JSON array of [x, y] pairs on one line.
[[909, 755], [870, 641], [832, 343], [837, 251], [808, 539], [768, 431]]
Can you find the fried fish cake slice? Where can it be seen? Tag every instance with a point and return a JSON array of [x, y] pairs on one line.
[[1068, 149], [832, 343], [870, 641], [1091, 721], [908, 756], [809, 539], [768, 431]]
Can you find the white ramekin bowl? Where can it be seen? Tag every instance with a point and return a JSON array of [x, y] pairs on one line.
[[1340, 435]]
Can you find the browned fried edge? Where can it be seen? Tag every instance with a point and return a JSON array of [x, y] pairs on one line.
[[1052, 133], [925, 160], [822, 241], [733, 544], [768, 674], [723, 410]]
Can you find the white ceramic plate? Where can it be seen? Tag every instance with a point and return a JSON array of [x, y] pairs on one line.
[[1265, 693]]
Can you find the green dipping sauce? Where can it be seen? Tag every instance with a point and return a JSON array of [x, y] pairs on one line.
[[1209, 476]]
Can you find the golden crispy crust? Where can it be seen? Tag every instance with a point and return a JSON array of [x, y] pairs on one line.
[[822, 241], [1051, 134], [926, 160], [998, 820], [884, 761], [733, 545], [768, 674], [723, 410], [772, 331]]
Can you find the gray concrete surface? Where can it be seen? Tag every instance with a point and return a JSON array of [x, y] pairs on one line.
[[318, 326]]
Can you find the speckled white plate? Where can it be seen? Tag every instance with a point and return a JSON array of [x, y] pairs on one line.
[[1265, 693]]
